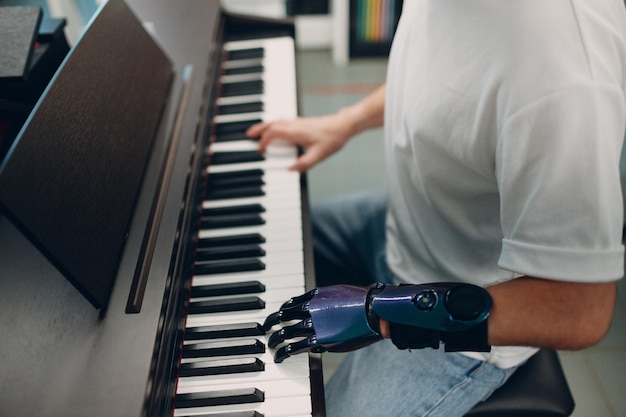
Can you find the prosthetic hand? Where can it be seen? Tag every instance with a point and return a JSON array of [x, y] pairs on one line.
[[341, 318]]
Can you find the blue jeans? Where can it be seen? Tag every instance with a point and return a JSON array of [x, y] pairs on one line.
[[381, 380]]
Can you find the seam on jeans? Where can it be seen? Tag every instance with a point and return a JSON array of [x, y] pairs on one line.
[[452, 389], [469, 376]]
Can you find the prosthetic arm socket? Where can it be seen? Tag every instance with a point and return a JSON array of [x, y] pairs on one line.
[[430, 314]]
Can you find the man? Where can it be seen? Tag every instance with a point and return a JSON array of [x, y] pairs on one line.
[[504, 122]]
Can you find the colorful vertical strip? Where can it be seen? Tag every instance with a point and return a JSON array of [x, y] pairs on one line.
[[375, 20]]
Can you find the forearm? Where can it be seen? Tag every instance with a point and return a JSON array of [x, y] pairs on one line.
[[367, 113], [551, 314], [548, 314]]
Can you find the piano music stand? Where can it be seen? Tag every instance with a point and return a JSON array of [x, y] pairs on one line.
[[71, 179]]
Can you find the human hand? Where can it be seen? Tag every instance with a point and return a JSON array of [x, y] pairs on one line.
[[321, 136]]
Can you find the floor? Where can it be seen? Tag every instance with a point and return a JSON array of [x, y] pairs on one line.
[[597, 376]]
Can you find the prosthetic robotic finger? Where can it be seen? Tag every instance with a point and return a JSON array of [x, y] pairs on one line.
[[341, 318], [302, 328], [295, 308], [333, 319], [308, 344]]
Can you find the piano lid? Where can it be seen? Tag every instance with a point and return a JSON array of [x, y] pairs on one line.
[[71, 179]]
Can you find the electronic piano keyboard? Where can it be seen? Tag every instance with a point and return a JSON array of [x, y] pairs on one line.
[[219, 239]]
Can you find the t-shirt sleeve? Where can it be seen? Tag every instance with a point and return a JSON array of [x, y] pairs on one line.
[[557, 167]]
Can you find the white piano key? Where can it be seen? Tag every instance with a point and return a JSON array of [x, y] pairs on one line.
[[242, 63], [238, 117], [280, 81], [240, 78], [285, 268], [244, 316], [282, 254], [280, 148], [273, 220], [276, 199], [282, 246], [277, 281], [272, 164], [269, 203], [273, 204], [282, 236], [245, 44], [280, 176], [276, 191], [234, 146], [279, 295], [263, 338], [283, 257], [296, 372], [278, 184], [273, 388], [271, 407], [276, 203], [279, 258], [276, 149], [250, 98]]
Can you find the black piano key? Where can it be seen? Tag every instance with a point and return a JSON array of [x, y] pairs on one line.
[[222, 331], [221, 367], [231, 137], [248, 413], [244, 239], [232, 220], [252, 107], [251, 68], [248, 53], [229, 182], [229, 178], [233, 288], [223, 305], [222, 397], [229, 252], [234, 157], [242, 88], [239, 126], [226, 266], [220, 176], [223, 348], [231, 210], [237, 181], [236, 192]]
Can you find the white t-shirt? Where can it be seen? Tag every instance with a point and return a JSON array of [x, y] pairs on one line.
[[504, 122]]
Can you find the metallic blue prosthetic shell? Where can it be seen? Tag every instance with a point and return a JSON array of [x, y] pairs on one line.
[[342, 314], [446, 307], [339, 317]]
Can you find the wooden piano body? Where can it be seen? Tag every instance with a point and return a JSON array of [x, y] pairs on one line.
[[61, 356]]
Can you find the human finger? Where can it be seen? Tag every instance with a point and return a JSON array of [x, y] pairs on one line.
[[305, 162], [279, 129], [312, 156], [256, 129]]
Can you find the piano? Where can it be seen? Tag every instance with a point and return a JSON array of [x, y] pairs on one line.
[[142, 236]]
